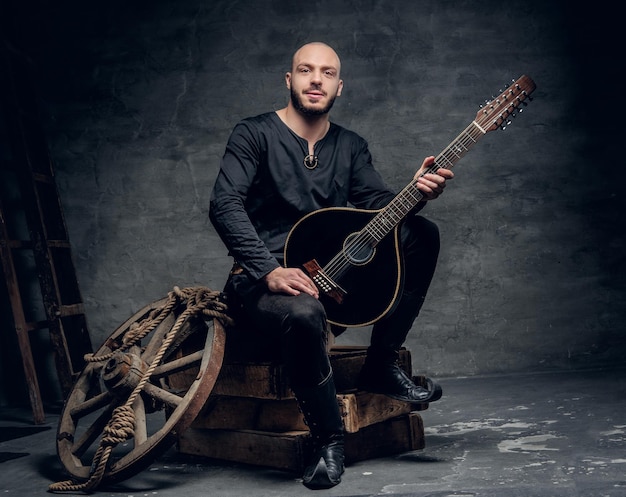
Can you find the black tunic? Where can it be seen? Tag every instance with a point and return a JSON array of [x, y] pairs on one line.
[[263, 187]]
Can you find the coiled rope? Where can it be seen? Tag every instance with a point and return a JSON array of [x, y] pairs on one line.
[[121, 426]]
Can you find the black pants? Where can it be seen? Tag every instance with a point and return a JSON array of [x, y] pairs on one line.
[[297, 324]]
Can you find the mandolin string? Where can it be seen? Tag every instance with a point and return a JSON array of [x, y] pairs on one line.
[[379, 227]]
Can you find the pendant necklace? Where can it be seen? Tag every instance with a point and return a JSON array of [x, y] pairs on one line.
[[311, 161]]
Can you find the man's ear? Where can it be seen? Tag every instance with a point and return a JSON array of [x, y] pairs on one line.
[[340, 87], [288, 80]]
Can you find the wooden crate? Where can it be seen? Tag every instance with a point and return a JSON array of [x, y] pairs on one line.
[[291, 450], [252, 416]]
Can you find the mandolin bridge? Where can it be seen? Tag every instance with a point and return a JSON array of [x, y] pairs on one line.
[[324, 282]]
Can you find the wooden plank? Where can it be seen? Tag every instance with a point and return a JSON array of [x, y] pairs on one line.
[[371, 408], [241, 413], [394, 436], [246, 413], [358, 410], [362, 409], [285, 451], [259, 380], [269, 380], [290, 450]]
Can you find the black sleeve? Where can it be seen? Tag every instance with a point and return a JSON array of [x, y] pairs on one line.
[[227, 208]]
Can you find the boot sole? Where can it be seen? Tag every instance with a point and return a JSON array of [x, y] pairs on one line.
[[320, 479]]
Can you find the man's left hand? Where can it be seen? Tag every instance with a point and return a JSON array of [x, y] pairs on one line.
[[432, 184]]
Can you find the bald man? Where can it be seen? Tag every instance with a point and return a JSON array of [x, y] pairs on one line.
[[277, 168]]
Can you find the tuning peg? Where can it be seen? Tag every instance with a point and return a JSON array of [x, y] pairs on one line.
[[528, 97], [505, 124]]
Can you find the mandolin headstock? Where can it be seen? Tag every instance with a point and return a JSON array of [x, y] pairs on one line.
[[496, 113]]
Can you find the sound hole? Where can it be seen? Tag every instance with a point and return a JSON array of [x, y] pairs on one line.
[[357, 253]]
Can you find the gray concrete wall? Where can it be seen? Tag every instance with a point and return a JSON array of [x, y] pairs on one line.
[[140, 98]]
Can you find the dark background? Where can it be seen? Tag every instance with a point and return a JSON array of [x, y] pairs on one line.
[[138, 99]]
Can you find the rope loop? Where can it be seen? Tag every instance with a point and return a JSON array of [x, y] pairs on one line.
[[121, 427]]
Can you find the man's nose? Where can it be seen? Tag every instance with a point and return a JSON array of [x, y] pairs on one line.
[[316, 77]]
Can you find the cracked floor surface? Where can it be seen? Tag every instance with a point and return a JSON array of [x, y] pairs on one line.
[[552, 434]]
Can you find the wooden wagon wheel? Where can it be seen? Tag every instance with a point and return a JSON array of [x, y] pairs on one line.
[[168, 385]]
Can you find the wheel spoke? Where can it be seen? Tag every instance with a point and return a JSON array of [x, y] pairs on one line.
[[158, 393], [178, 365], [91, 434], [91, 405], [141, 429]]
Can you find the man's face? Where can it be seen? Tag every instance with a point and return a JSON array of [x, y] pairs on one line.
[[314, 79]]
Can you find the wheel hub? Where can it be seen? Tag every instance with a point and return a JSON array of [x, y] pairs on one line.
[[122, 373]]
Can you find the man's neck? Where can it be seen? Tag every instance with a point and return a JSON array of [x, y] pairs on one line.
[[311, 128]]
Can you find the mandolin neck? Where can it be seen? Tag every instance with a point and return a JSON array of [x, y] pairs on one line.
[[493, 116], [391, 215]]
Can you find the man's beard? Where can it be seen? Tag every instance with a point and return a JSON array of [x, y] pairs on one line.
[[297, 101]]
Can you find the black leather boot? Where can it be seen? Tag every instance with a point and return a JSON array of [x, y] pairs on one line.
[[382, 374], [321, 413], [390, 380]]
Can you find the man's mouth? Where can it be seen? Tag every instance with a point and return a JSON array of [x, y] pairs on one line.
[[314, 94]]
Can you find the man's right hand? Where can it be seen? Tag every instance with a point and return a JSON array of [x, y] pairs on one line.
[[291, 281]]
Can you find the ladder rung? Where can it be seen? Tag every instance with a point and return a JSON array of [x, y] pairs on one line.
[[20, 244], [64, 312], [37, 325], [43, 178], [71, 310], [58, 243], [28, 244]]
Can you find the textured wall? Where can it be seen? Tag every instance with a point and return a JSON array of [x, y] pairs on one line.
[[140, 98]]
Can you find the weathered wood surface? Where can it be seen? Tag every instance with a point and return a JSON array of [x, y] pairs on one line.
[[290, 450]]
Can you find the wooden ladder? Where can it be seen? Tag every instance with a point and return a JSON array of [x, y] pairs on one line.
[[34, 243]]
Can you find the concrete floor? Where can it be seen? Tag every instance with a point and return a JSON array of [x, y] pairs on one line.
[[553, 434]]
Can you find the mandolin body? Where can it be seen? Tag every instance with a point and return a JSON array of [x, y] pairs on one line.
[[371, 282]]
